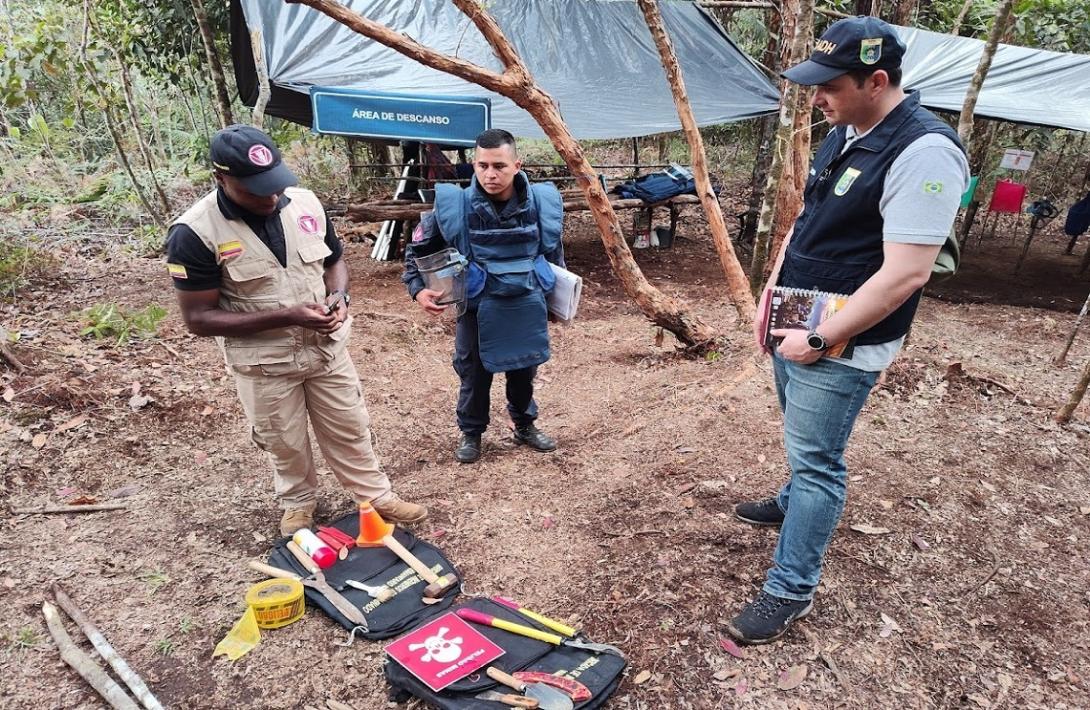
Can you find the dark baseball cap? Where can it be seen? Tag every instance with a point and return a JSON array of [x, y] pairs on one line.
[[247, 153], [853, 43]]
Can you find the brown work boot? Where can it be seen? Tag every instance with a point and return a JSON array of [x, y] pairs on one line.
[[394, 510], [297, 518]]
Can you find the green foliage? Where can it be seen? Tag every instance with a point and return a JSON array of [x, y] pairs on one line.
[[165, 647], [26, 639], [1059, 25], [108, 320], [21, 264], [155, 579]]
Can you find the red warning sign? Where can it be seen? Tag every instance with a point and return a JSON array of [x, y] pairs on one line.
[[444, 651]]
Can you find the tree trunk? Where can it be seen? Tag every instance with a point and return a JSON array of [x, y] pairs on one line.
[[956, 29], [737, 283], [1074, 330], [903, 11], [107, 113], [223, 98], [767, 130], [965, 121], [1064, 414], [264, 91], [791, 152], [141, 142], [517, 84]]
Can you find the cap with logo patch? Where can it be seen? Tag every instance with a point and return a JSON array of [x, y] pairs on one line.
[[249, 154], [853, 43]]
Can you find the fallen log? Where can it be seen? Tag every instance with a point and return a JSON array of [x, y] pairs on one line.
[[388, 209]]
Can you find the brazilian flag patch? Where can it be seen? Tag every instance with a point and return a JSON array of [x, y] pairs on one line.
[[177, 271]]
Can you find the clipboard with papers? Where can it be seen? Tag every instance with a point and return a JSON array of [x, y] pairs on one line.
[[563, 300]]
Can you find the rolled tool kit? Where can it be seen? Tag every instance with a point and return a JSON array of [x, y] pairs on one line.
[[545, 664]]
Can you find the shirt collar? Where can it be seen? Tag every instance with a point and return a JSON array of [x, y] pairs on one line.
[[231, 209], [882, 132]]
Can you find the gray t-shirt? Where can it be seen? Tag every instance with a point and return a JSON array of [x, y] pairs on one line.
[[920, 199]]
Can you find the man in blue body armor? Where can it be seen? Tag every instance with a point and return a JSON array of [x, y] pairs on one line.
[[509, 230]]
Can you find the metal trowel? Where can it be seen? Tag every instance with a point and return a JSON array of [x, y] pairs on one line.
[[547, 698]]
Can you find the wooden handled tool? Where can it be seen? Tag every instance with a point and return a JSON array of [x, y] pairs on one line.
[[509, 699], [438, 585], [547, 698], [316, 580]]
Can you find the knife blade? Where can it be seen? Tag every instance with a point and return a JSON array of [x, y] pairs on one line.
[[317, 581], [548, 698], [510, 699]]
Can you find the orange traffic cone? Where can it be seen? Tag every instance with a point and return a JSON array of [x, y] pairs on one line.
[[372, 527]]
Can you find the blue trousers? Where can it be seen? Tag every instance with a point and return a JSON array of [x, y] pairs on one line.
[[475, 393], [820, 403]]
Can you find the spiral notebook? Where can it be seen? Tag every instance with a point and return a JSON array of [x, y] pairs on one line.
[[804, 309]]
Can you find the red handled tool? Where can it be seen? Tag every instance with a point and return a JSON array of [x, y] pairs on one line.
[[578, 692]]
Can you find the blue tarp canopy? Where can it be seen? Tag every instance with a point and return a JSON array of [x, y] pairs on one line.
[[1024, 85], [596, 58]]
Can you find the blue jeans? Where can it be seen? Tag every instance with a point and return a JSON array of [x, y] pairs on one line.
[[820, 403]]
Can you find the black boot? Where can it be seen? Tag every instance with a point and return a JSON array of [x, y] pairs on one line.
[[761, 512], [469, 448], [534, 438]]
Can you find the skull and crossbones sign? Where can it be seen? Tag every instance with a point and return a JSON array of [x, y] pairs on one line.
[[439, 649]]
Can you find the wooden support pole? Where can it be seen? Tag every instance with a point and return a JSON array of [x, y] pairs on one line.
[[517, 84], [257, 45], [737, 283], [1064, 414], [123, 670], [81, 663]]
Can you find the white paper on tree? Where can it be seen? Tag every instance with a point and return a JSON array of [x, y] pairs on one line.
[[563, 300]]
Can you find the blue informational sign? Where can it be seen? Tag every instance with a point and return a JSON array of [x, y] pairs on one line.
[[449, 120]]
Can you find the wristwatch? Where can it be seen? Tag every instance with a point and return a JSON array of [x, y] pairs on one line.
[[816, 341], [338, 292]]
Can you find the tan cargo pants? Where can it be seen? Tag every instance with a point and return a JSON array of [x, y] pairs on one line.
[[278, 398]]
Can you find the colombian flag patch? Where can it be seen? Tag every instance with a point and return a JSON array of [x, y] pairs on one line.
[[229, 249], [177, 271]]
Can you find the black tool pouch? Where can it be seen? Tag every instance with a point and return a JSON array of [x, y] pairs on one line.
[[375, 566], [599, 672]]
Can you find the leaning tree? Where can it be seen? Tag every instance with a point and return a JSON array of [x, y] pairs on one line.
[[517, 84]]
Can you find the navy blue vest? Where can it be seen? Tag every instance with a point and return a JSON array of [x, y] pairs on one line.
[[837, 242], [508, 275]]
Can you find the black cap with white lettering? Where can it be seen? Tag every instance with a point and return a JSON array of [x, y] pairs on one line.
[[853, 43], [247, 153]]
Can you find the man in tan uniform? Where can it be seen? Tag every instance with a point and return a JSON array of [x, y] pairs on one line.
[[256, 264]]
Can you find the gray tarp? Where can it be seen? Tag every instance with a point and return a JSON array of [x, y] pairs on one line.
[[596, 58], [1024, 85]]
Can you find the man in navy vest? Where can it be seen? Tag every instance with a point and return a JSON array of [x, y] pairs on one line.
[[880, 201], [509, 231]]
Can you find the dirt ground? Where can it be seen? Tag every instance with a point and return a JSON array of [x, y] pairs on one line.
[[971, 588]]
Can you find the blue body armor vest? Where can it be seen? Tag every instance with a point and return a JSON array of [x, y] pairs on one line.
[[508, 275], [837, 242]]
